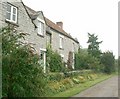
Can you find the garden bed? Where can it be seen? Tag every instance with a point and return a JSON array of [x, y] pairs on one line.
[[60, 83]]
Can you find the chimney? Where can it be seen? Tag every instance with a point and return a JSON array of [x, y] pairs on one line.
[[60, 24]]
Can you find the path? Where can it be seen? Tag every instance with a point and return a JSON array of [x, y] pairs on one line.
[[107, 88]]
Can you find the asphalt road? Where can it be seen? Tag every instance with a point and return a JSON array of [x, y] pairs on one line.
[[107, 88]]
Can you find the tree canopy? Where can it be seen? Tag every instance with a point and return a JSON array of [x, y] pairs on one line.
[[93, 47], [108, 60]]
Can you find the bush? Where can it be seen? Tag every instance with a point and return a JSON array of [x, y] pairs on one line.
[[108, 60], [55, 87], [80, 60], [22, 75], [82, 79], [69, 82], [54, 61], [76, 81], [83, 60], [56, 76]]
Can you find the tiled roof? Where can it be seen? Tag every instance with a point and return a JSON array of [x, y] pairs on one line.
[[57, 28], [33, 15]]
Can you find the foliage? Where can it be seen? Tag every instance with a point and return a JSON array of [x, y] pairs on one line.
[[72, 81], [77, 73], [22, 75], [76, 81], [80, 59], [54, 61], [70, 60], [116, 64], [83, 60], [56, 87], [119, 64], [93, 47], [55, 76], [82, 86], [108, 60], [119, 61]]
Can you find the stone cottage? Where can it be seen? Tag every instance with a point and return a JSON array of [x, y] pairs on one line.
[[41, 30]]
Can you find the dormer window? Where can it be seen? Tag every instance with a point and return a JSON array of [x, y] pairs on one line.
[[11, 14], [41, 27]]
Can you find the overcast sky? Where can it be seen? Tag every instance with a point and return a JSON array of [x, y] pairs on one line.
[[82, 16]]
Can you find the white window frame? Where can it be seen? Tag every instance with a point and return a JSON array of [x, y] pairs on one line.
[[41, 29], [44, 58], [61, 41], [48, 37], [11, 13], [73, 61]]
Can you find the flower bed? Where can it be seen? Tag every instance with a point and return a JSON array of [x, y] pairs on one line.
[[59, 82]]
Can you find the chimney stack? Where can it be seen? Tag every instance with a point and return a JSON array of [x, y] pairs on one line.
[[60, 24]]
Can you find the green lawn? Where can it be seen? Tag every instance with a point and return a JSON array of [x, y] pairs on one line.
[[82, 86]]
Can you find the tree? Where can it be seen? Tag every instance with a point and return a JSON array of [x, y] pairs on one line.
[[81, 59], [108, 60], [22, 75], [93, 47]]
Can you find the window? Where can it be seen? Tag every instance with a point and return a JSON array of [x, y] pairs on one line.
[[61, 41], [40, 28], [48, 36], [73, 63], [43, 59], [11, 14]]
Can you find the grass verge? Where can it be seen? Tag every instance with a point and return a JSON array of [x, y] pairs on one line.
[[82, 86]]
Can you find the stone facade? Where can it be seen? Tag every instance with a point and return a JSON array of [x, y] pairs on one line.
[[28, 21], [69, 44], [24, 24]]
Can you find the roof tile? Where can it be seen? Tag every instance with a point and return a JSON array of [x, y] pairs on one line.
[[33, 14]]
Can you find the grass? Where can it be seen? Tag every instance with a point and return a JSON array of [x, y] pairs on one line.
[[82, 86]]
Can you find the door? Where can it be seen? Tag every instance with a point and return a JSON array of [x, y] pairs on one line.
[[43, 59]]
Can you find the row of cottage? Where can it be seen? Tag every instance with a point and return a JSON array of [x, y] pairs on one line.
[[42, 30]]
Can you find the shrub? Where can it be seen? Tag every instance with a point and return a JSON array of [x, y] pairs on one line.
[[83, 60], [60, 86], [54, 61], [80, 60], [108, 60], [82, 79], [76, 81], [22, 75], [56, 76], [66, 83]]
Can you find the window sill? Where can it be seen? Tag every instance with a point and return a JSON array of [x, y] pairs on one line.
[[40, 35], [10, 22]]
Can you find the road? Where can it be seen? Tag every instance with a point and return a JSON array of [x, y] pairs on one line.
[[107, 88]]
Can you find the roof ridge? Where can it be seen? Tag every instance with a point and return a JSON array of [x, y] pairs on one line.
[[33, 11], [50, 23], [56, 27], [54, 24]]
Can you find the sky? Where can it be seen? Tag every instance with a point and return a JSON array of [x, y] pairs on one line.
[[81, 17]]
